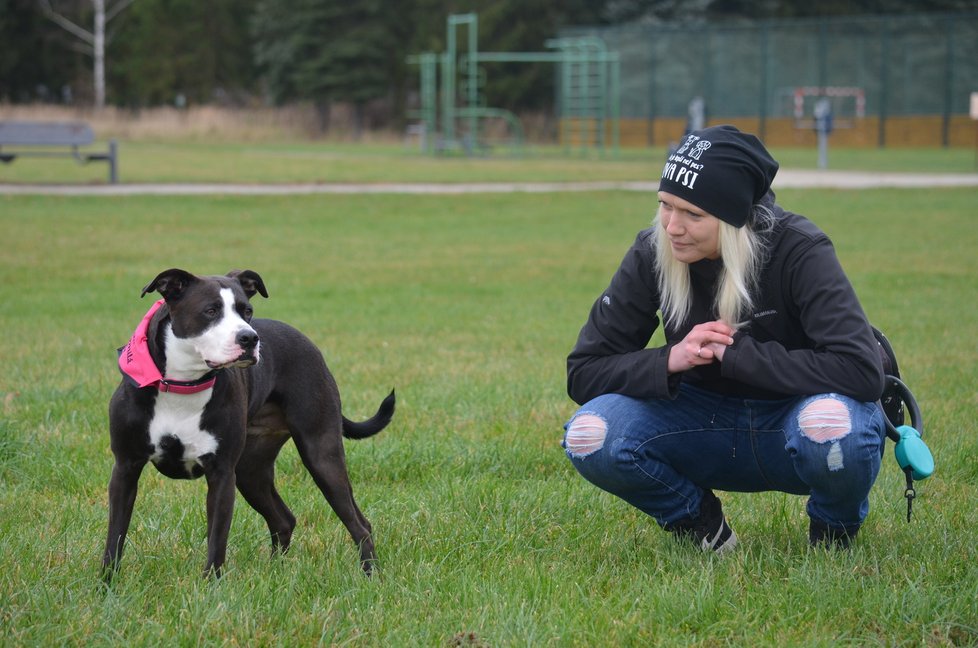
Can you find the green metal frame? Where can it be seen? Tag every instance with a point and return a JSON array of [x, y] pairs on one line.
[[588, 91], [589, 95]]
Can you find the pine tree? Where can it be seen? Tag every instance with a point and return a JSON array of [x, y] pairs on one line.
[[324, 51]]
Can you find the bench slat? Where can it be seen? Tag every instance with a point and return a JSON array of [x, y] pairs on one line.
[[27, 133]]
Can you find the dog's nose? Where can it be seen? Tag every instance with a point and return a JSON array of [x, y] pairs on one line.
[[247, 339]]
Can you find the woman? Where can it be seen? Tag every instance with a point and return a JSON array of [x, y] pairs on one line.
[[770, 371]]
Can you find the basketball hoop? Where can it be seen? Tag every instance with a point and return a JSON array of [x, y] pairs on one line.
[[848, 104], [822, 109]]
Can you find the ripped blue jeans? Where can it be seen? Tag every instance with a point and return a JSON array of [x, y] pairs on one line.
[[659, 455]]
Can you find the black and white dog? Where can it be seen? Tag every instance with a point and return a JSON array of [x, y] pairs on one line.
[[208, 391]]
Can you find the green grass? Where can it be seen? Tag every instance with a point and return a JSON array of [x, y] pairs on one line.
[[196, 161], [486, 535]]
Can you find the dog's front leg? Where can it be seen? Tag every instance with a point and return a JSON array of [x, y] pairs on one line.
[[122, 497], [220, 507]]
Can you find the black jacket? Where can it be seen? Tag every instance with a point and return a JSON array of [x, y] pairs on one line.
[[807, 335]]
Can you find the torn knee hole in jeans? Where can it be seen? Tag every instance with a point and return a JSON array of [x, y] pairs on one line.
[[585, 435], [826, 420]]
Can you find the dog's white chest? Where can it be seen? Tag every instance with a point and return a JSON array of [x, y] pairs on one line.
[[175, 433]]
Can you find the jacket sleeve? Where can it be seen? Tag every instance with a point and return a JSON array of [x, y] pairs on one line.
[[611, 355], [841, 355]]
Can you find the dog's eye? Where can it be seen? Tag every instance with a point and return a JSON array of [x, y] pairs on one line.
[[246, 313], [211, 312]]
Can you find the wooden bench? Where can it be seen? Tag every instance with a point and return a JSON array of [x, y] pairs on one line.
[[50, 139]]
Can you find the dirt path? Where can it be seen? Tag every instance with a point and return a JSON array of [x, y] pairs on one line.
[[787, 178]]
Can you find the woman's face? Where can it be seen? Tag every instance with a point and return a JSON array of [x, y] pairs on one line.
[[693, 234]]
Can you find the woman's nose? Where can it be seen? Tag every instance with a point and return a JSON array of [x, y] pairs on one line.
[[673, 226]]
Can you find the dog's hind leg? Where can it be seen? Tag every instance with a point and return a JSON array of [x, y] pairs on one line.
[[255, 474], [323, 457]]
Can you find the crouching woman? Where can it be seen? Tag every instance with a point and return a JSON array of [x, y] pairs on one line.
[[769, 374]]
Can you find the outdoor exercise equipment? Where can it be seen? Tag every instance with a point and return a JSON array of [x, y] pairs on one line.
[[587, 88]]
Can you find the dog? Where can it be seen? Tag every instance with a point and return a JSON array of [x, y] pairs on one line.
[[209, 391]]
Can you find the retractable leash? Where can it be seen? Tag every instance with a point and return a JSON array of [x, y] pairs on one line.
[[912, 454]]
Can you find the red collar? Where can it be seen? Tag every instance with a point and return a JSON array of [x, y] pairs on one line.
[[136, 363], [192, 387]]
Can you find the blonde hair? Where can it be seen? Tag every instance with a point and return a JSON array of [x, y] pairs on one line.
[[742, 251]]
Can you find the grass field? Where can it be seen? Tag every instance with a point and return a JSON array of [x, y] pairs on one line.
[[486, 535], [191, 160]]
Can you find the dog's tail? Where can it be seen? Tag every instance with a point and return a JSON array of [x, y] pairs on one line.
[[374, 424]]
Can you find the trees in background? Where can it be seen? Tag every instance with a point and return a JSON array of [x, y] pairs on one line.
[[91, 42], [35, 60], [183, 51], [323, 51]]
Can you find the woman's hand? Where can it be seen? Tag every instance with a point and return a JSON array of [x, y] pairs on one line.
[[702, 345]]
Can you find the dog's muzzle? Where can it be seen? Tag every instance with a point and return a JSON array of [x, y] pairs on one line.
[[247, 340]]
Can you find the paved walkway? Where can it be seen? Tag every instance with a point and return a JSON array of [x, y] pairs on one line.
[[786, 178]]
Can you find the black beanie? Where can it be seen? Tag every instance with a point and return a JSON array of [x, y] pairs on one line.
[[720, 170]]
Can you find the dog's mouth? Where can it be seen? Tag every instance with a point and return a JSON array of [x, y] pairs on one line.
[[244, 360]]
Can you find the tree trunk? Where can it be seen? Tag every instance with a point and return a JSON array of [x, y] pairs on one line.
[[98, 47], [359, 110]]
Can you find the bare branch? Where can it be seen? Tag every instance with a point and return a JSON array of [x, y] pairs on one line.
[[66, 24], [117, 8], [95, 39]]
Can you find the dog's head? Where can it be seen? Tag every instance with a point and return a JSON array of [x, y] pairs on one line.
[[209, 317]]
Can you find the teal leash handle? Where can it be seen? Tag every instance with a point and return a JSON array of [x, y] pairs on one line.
[[913, 454]]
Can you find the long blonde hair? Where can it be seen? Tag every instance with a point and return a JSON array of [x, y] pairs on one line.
[[742, 251]]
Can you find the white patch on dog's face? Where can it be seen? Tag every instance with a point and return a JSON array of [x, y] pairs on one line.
[[216, 347], [182, 360]]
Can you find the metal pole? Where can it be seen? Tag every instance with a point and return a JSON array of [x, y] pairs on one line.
[[884, 80], [473, 75], [113, 162], [448, 91], [948, 82], [650, 127], [429, 99], [581, 90], [568, 108], [762, 109], [600, 98], [615, 101]]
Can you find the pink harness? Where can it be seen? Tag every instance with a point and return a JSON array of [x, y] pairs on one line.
[[136, 363]]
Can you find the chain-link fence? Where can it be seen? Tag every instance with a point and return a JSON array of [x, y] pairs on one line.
[[891, 80]]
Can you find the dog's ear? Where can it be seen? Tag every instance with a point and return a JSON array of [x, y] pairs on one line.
[[250, 281], [170, 283]]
